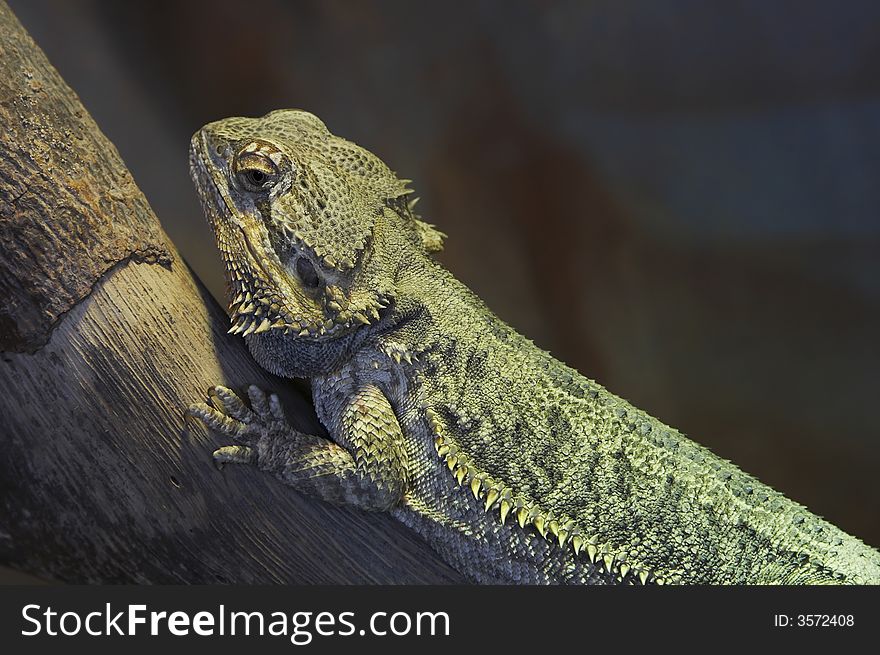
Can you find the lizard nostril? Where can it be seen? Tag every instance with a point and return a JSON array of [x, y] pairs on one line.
[[306, 272]]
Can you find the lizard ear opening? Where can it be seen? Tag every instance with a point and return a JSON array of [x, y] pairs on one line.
[[307, 273], [432, 238]]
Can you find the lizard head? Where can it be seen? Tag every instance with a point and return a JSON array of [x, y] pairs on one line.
[[297, 214]]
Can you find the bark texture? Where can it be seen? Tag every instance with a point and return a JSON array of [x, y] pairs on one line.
[[105, 339]]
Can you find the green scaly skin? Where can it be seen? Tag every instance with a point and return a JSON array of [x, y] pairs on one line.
[[514, 467]]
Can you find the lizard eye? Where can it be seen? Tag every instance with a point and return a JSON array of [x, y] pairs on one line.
[[257, 166], [255, 177]]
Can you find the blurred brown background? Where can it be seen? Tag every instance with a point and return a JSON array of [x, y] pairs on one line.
[[680, 199]]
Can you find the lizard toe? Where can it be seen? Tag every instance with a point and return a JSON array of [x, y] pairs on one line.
[[260, 403], [234, 455], [219, 422], [226, 401]]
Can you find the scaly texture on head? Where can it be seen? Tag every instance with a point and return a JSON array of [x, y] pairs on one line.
[[294, 209]]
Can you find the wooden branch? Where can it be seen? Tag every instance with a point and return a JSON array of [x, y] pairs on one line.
[[106, 338]]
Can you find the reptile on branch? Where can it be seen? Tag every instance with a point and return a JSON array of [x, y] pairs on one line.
[[513, 466]]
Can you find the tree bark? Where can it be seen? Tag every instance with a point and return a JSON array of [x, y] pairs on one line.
[[105, 339]]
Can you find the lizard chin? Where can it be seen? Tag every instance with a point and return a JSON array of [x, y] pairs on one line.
[[300, 357]]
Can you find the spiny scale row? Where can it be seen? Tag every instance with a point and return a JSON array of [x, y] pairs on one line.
[[246, 321], [338, 304], [399, 353], [497, 496], [254, 313]]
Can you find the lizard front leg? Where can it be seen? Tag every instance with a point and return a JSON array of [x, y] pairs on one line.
[[371, 473]]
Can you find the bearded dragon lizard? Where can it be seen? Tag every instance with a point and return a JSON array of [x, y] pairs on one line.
[[513, 466]]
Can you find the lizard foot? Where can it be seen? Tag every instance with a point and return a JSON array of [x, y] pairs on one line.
[[374, 480], [247, 425]]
